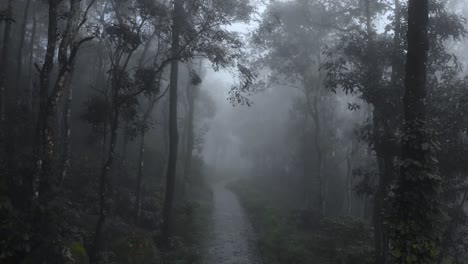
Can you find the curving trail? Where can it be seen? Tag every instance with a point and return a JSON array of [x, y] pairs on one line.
[[232, 240]]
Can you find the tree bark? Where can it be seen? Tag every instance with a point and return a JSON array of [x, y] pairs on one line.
[[305, 168], [373, 72], [417, 202], [67, 44], [397, 46], [68, 50], [317, 138], [118, 71], [349, 174], [140, 176], [5, 60], [191, 97], [19, 55], [103, 184], [314, 112], [41, 137], [31, 95], [5, 127], [385, 166], [141, 157], [65, 169], [173, 131]]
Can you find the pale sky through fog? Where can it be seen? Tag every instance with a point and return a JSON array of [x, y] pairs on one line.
[[220, 135]]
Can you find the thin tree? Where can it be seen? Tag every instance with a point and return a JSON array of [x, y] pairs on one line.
[[4, 59], [173, 130], [191, 94], [4, 56], [19, 54]]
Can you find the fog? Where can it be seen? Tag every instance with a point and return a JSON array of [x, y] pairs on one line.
[[233, 131]]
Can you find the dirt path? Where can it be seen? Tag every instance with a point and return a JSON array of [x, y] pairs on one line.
[[232, 240]]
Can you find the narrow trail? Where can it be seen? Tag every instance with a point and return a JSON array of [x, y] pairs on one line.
[[232, 240]]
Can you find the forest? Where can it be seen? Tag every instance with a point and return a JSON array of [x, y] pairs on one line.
[[233, 132]]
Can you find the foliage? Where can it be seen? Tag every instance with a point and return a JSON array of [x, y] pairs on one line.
[[294, 236]]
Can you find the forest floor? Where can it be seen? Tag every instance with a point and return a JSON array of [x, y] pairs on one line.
[[232, 239], [292, 236]]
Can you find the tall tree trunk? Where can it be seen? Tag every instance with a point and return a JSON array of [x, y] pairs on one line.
[[5, 127], [373, 72], [141, 156], [11, 106], [17, 88], [116, 83], [382, 144], [66, 56], [19, 55], [31, 95], [41, 138], [126, 138], [314, 111], [191, 97], [146, 116], [397, 46], [103, 184], [417, 202], [65, 169], [349, 175], [138, 193], [5, 60], [173, 131], [305, 168], [385, 167]]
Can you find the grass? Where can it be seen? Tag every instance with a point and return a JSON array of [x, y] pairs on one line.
[[287, 236]]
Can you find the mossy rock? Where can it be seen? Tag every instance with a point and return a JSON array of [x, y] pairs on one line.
[[70, 253], [137, 248], [78, 253]]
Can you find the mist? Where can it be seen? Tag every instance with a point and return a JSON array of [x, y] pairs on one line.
[[233, 131]]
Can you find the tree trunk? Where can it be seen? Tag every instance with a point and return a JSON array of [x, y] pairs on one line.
[[349, 175], [384, 158], [141, 157], [66, 56], [14, 99], [146, 116], [417, 202], [41, 137], [314, 111], [31, 95], [451, 229], [305, 168], [140, 176], [66, 134], [103, 184], [5, 127], [4, 61], [126, 138], [19, 55], [385, 166], [373, 72], [107, 162], [191, 97], [173, 133], [397, 46]]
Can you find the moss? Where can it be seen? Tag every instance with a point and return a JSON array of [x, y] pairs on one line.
[[136, 248], [283, 238], [66, 253], [78, 253]]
